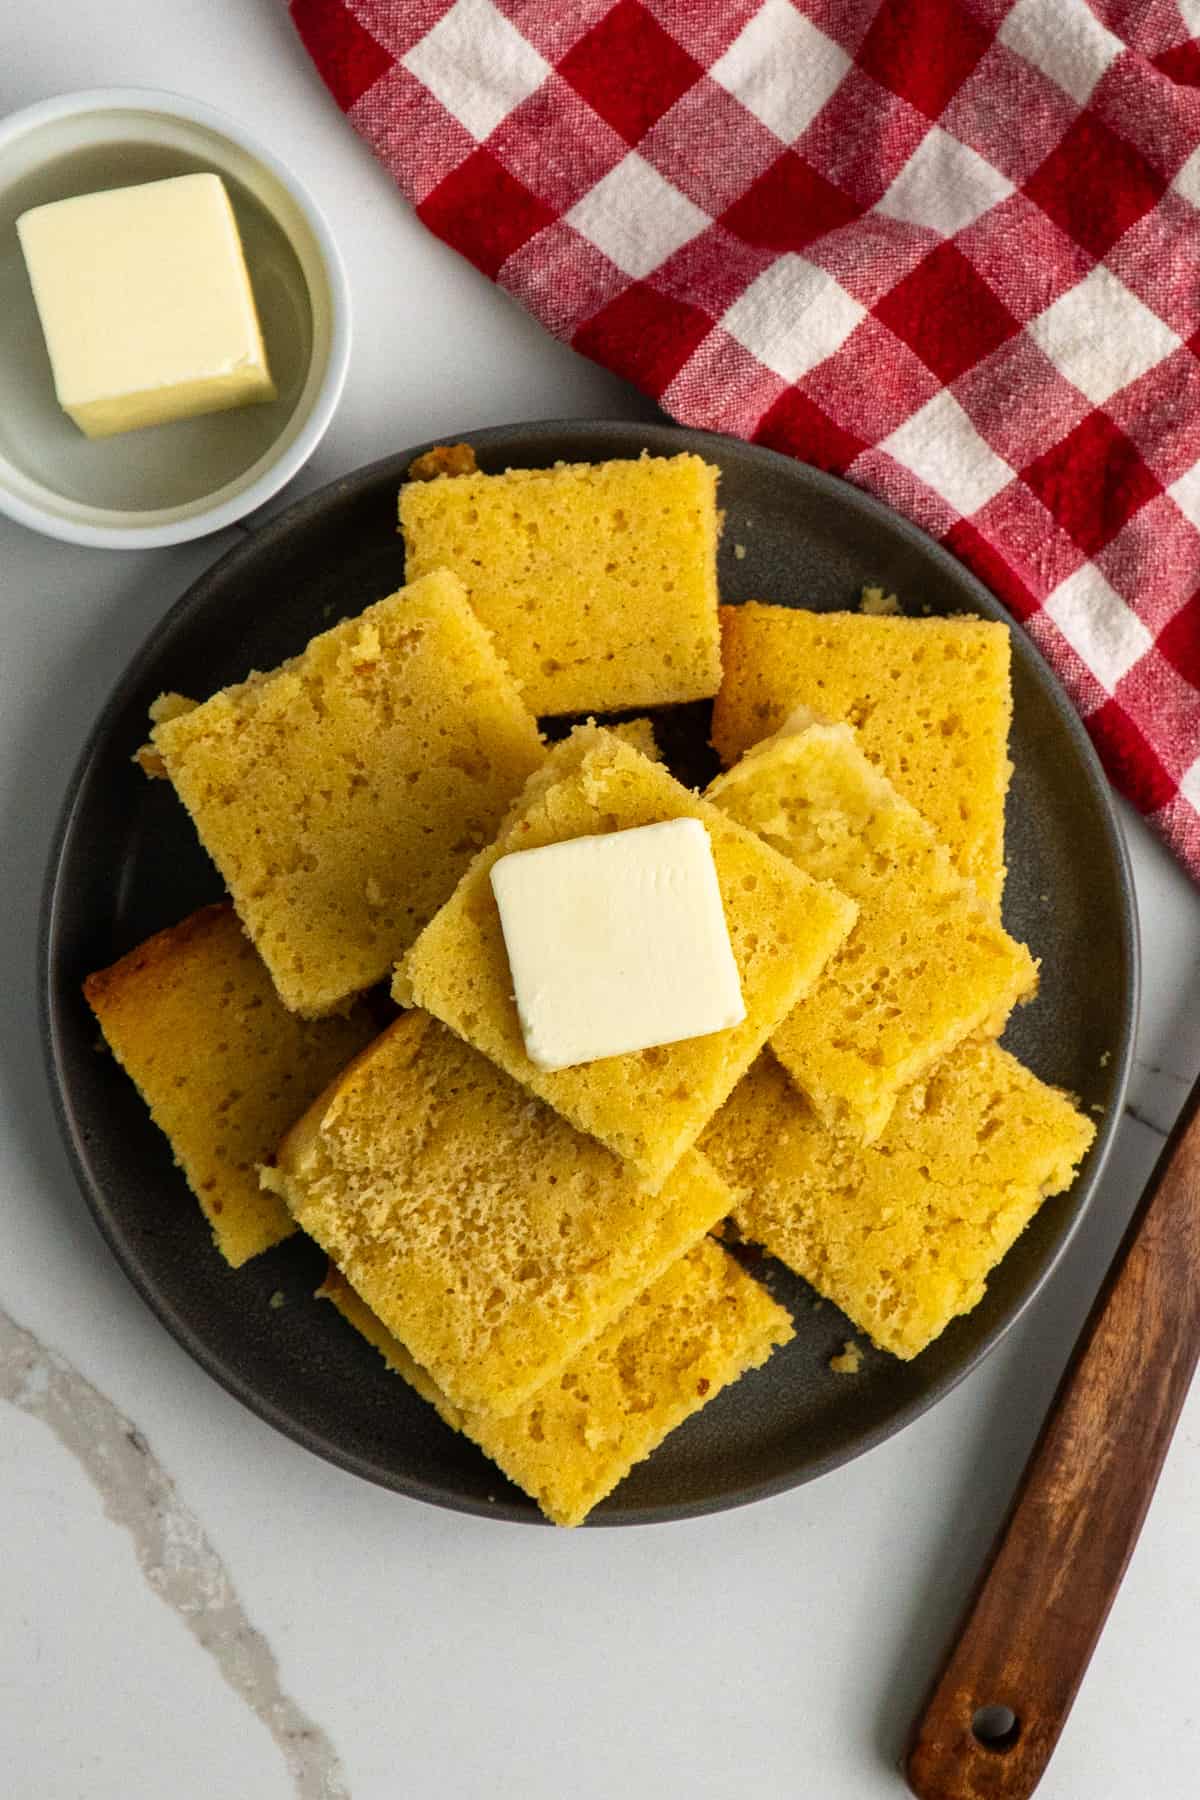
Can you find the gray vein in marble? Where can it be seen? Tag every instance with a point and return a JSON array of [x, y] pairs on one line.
[[1142, 1118], [1149, 1068], [175, 1556], [1156, 1094]]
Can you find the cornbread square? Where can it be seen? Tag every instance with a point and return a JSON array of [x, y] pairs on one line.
[[900, 1234], [695, 1330], [648, 1106], [599, 580], [343, 794], [194, 1021], [925, 965], [930, 698], [491, 1239]]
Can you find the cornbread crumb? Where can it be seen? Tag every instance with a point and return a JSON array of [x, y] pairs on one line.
[[150, 762], [925, 964], [647, 1106], [901, 1234], [739, 551], [277, 1300], [639, 733], [167, 706], [849, 1359], [490, 1238], [194, 1021], [443, 459], [599, 580], [385, 754], [170, 706], [695, 1330], [877, 604], [930, 698]]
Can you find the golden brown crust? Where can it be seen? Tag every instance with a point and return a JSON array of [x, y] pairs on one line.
[[443, 460], [193, 1019], [159, 952]]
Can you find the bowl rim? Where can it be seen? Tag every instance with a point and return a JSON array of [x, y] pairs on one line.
[[661, 436], [205, 519]]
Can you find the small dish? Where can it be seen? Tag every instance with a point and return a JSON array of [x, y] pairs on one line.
[[170, 482], [127, 861]]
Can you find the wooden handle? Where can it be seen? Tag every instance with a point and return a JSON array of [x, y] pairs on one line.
[[996, 1710]]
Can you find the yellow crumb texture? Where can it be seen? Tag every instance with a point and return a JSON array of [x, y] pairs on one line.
[[343, 794], [925, 965], [930, 697], [901, 1234], [695, 1330], [491, 1239], [848, 1360], [648, 1106], [193, 1019], [599, 580], [640, 734]]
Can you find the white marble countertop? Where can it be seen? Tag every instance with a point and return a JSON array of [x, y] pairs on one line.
[[177, 1580]]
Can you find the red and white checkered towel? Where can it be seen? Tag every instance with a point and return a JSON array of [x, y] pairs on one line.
[[948, 250]]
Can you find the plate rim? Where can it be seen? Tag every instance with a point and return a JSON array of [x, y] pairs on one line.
[[658, 434]]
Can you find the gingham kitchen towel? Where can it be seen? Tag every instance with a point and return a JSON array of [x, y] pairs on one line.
[[948, 250]]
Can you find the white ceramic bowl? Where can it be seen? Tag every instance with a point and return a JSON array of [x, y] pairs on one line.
[[169, 482]]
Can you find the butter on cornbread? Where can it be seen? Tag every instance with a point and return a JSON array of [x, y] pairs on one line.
[[699, 1327], [193, 1019], [925, 965], [342, 794], [648, 1106], [901, 1234], [492, 1239], [930, 698], [616, 942], [599, 580]]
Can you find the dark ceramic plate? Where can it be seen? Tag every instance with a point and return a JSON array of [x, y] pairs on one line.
[[127, 862]]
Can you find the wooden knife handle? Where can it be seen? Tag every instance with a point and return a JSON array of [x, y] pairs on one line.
[[1057, 1563]]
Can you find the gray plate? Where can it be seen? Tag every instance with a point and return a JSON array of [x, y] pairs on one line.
[[127, 862]]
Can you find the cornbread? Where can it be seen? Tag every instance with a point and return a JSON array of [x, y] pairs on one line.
[[639, 733], [930, 698], [924, 966], [650, 1105], [490, 1238], [903, 1233], [699, 1327], [443, 459], [343, 794], [599, 580], [193, 1019]]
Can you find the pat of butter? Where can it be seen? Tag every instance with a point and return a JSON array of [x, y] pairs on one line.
[[617, 943], [145, 304]]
